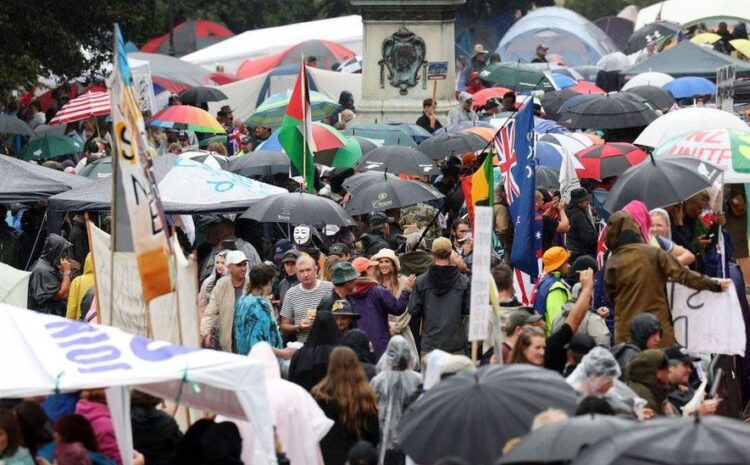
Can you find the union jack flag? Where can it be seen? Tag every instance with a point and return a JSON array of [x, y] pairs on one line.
[[505, 148], [233, 142]]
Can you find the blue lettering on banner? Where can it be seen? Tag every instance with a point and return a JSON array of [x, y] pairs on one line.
[[140, 348]]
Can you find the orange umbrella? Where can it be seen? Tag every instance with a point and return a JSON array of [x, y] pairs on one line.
[[480, 97], [483, 132]]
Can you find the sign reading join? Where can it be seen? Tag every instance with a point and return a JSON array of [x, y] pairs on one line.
[[437, 70], [725, 87]]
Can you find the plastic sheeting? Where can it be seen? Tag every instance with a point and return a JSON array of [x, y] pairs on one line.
[[688, 12]]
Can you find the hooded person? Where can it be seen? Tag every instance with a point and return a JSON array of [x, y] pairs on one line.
[[648, 376], [155, 432], [636, 276], [645, 333], [309, 365], [378, 229], [299, 422], [463, 112], [78, 289], [222, 444], [49, 283], [189, 450], [356, 340]]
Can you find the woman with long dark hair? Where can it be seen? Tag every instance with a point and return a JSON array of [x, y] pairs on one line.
[[12, 451], [309, 364]]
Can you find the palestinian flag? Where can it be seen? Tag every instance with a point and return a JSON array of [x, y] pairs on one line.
[[295, 134], [479, 187]]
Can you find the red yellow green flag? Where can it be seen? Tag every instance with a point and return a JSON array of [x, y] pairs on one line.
[[295, 134], [479, 186]]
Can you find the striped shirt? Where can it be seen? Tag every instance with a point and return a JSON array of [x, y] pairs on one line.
[[299, 300]]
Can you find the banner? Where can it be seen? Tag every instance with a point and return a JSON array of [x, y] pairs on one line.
[[480, 274], [568, 177], [725, 88], [707, 321]]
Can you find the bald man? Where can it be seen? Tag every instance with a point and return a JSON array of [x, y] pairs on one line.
[[300, 301]]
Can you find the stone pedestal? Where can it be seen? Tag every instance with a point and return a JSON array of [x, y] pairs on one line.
[[406, 35]]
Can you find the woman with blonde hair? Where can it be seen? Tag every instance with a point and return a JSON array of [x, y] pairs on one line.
[[326, 272], [660, 230], [346, 397], [217, 147]]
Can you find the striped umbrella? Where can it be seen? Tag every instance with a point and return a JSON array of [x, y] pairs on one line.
[[94, 103], [607, 160], [272, 110], [186, 117], [325, 137]]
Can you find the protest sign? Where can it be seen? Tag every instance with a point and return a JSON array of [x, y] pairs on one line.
[[437, 70], [725, 87], [480, 277]]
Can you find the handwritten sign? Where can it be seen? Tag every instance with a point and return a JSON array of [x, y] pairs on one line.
[[725, 87], [480, 274], [437, 70]]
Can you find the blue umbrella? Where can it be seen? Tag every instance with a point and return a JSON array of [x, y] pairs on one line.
[[563, 81], [549, 155], [575, 101], [689, 87], [546, 126], [416, 132]]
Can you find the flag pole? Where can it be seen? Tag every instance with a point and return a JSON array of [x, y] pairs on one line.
[[113, 215], [303, 75]]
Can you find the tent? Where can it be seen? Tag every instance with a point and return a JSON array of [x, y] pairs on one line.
[[689, 12], [689, 59], [346, 31], [189, 36], [22, 181], [171, 69], [53, 354], [565, 32]]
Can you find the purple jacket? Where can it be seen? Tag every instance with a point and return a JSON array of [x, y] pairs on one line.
[[374, 302]]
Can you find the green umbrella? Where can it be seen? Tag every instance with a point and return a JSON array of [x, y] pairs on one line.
[[344, 157], [48, 147], [272, 110], [517, 76], [101, 168], [221, 138]]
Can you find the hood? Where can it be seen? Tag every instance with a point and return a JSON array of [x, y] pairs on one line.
[[464, 97], [641, 216], [643, 326], [397, 356], [364, 286], [357, 340], [54, 248], [622, 230], [442, 278], [92, 410], [263, 354], [642, 368], [88, 264]]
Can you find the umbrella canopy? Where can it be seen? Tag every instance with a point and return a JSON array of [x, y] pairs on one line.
[[451, 144], [552, 101], [547, 178], [742, 46], [13, 125], [101, 168], [658, 97], [614, 62], [259, 163], [618, 29], [47, 147], [201, 95], [607, 160], [573, 102], [22, 181], [689, 59], [273, 109], [480, 97], [325, 137], [415, 131], [563, 441], [563, 81], [573, 142], [389, 193], [517, 77], [361, 180], [384, 134], [689, 87], [188, 37], [398, 160], [685, 120], [94, 103], [212, 159], [544, 126], [662, 182], [472, 415], [705, 38], [186, 117], [585, 87], [715, 146], [465, 125], [551, 155], [298, 208], [348, 155], [587, 72], [45, 129], [221, 139], [612, 111], [649, 34], [485, 133], [674, 441], [649, 78]]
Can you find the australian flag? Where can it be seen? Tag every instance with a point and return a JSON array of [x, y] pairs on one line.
[[517, 165]]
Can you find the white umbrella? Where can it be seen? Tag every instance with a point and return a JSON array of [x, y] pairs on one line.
[[648, 79], [614, 61], [570, 141], [685, 120], [14, 286]]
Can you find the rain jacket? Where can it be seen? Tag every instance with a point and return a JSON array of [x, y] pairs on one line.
[[582, 237], [358, 342], [415, 263], [45, 278], [373, 243], [78, 289], [254, 322], [636, 276], [641, 378], [101, 422], [643, 326], [374, 303]]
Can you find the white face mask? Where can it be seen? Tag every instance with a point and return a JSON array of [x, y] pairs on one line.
[[301, 235]]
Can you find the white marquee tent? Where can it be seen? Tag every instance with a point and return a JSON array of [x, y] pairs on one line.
[[688, 12]]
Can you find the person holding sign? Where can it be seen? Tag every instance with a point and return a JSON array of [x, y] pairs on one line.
[[428, 120]]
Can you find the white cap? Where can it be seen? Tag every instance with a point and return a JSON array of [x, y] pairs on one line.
[[235, 257]]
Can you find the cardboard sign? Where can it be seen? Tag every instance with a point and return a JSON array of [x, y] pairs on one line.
[[725, 88], [437, 70], [480, 274]]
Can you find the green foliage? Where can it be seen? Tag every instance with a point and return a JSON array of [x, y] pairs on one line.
[[595, 9]]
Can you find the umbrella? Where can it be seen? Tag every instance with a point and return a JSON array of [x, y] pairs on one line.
[[651, 78], [298, 208], [662, 183], [12, 125], [259, 163], [221, 138], [742, 46], [689, 87], [14, 287], [612, 111], [186, 117], [552, 101], [364, 143], [585, 87], [271, 112], [715, 146], [188, 37], [674, 441], [614, 61], [706, 38], [563, 441], [325, 137], [47, 147], [451, 144], [201, 95], [480, 97], [551, 155], [485, 133], [547, 178], [463, 125], [384, 134], [361, 180], [397, 159], [389, 193], [685, 120], [573, 102], [212, 159], [563, 81], [607, 160], [415, 131], [618, 29], [22, 181], [346, 156], [649, 34], [46, 129], [544, 126], [101, 168], [658, 97], [517, 77], [93, 103], [571, 141], [472, 415]]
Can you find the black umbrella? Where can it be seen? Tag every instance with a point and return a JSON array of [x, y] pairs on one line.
[[547, 178], [22, 181], [451, 144], [389, 193], [661, 183], [618, 29], [612, 111], [397, 159], [360, 180], [260, 163], [298, 208], [658, 97], [674, 441], [472, 415], [200, 96], [649, 34], [12, 125], [365, 144], [552, 101], [562, 442]]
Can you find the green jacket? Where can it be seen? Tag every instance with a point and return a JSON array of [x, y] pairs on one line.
[[641, 377]]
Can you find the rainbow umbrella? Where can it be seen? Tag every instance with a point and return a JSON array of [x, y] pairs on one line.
[[185, 117], [325, 137], [270, 113]]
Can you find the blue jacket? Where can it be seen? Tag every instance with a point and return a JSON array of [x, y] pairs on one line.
[[253, 323]]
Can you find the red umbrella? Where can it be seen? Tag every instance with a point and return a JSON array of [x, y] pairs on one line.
[[480, 97], [585, 87], [607, 160], [326, 54], [188, 37], [94, 103]]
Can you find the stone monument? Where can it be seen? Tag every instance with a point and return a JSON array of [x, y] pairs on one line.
[[408, 47]]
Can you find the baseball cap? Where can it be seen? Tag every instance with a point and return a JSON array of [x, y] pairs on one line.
[[182, 135], [442, 243], [542, 46], [581, 344], [379, 219], [290, 256], [677, 354], [235, 257], [361, 264], [554, 258], [280, 248], [519, 318], [343, 272]]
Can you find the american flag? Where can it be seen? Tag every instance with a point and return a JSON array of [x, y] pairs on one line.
[[506, 153]]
